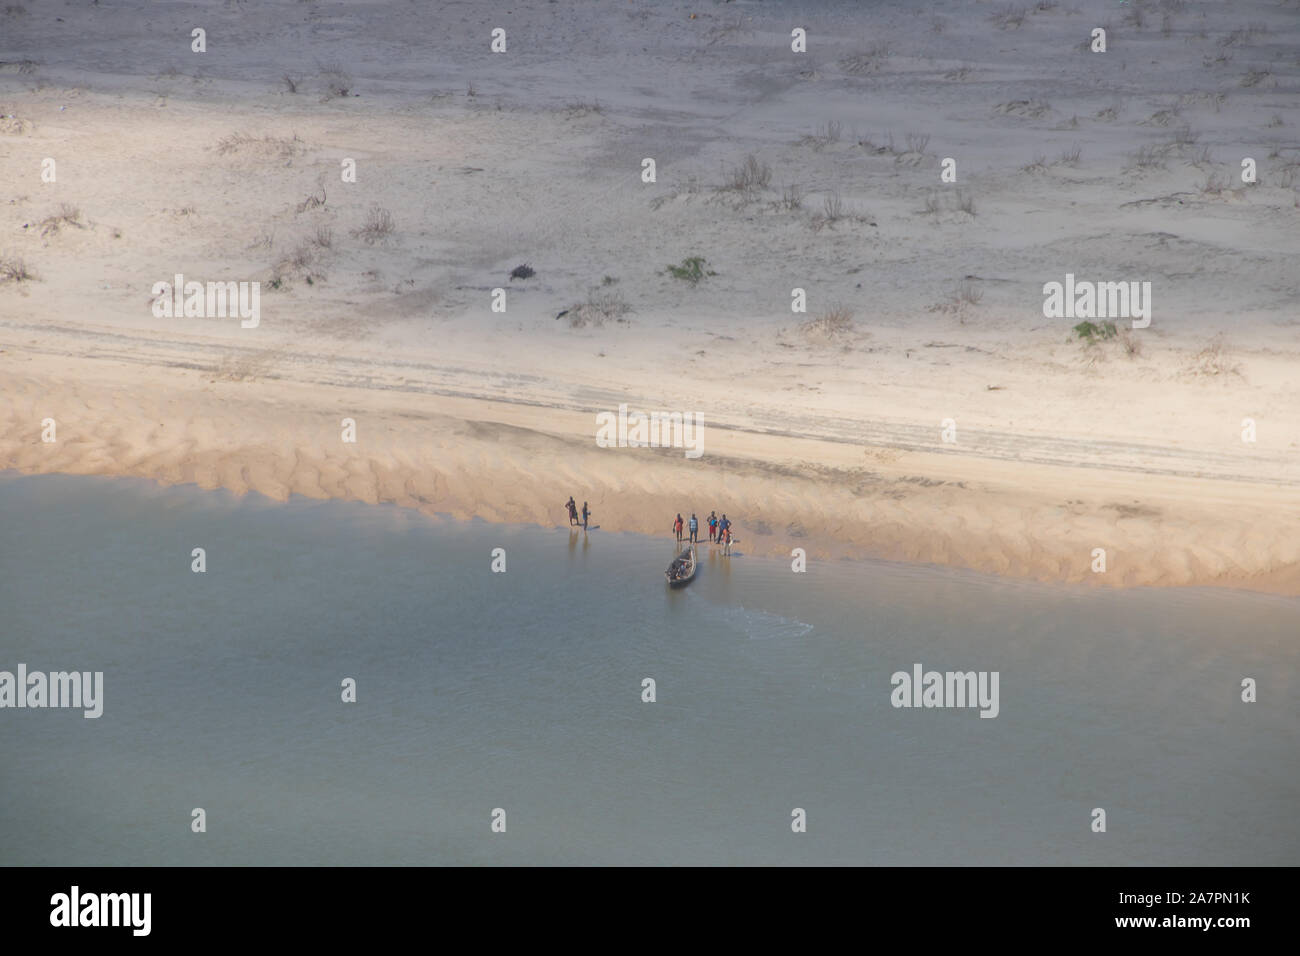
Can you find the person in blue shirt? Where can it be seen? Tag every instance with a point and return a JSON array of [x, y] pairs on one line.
[[695, 529]]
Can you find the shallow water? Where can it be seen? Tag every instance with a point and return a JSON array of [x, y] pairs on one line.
[[522, 691]]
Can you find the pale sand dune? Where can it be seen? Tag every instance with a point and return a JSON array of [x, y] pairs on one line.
[[829, 442], [481, 458]]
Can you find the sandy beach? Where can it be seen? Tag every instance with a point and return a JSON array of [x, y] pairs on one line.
[[923, 408]]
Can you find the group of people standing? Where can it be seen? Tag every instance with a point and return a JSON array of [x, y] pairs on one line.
[[572, 507], [719, 530]]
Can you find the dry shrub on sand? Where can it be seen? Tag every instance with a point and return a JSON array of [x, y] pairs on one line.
[[791, 198], [1030, 109], [1213, 361], [867, 61], [833, 325], [279, 147], [14, 269], [600, 307], [313, 201], [968, 294], [336, 80], [1010, 17], [751, 176], [1131, 343], [378, 226], [244, 367], [1146, 157], [66, 215], [12, 125]]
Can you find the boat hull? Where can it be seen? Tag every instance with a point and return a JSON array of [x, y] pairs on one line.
[[688, 575]]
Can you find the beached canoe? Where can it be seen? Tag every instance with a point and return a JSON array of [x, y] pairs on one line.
[[682, 570]]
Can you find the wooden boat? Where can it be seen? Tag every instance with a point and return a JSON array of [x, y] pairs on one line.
[[682, 570]]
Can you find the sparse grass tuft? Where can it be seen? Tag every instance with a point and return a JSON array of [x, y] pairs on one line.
[[336, 80], [962, 202], [1147, 157], [888, 146], [749, 177], [791, 198], [265, 238], [600, 307], [835, 322], [1213, 361], [1256, 77], [1030, 109], [66, 215], [968, 294], [832, 211], [1093, 333], [1010, 17], [866, 61], [1132, 344], [963, 298], [828, 132], [1070, 157], [1038, 165], [244, 367], [378, 225], [1165, 117], [313, 201], [282, 147], [303, 261], [14, 269], [1214, 185], [691, 270], [833, 207]]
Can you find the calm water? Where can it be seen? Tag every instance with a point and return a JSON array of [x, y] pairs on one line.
[[523, 691]]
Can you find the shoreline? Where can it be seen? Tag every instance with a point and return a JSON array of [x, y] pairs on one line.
[[517, 463]]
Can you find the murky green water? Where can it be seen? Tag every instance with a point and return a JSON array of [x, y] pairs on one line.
[[523, 691]]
